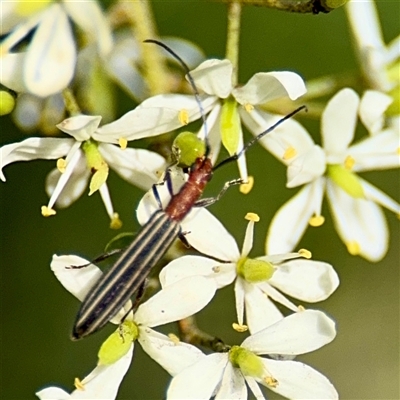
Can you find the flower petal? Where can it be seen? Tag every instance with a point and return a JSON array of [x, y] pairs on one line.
[[207, 235], [12, 70], [232, 385], [261, 312], [89, 16], [338, 122], [50, 61], [104, 381], [298, 333], [73, 188], [306, 168], [80, 127], [299, 381], [186, 266], [173, 356], [158, 114], [377, 152], [53, 393], [305, 280], [76, 281], [33, 149], [291, 220], [266, 86], [289, 136], [200, 379], [214, 77], [176, 301], [360, 224], [372, 109], [139, 167], [379, 197]]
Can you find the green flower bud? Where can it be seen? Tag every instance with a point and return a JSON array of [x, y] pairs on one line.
[[118, 343], [190, 148], [7, 102], [255, 270], [346, 179]]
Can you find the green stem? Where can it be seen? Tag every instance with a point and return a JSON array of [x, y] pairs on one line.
[[141, 19], [70, 102], [233, 35]]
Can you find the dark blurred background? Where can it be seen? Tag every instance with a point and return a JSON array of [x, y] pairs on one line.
[[37, 313]]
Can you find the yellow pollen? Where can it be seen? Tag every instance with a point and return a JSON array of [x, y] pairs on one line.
[[301, 308], [216, 269], [183, 117], [398, 150], [248, 107], [316, 220], [123, 143], [349, 163], [61, 165], [115, 222], [245, 188], [289, 153], [305, 253], [174, 338], [239, 328], [271, 381], [353, 248], [78, 384], [252, 217], [47, 211]]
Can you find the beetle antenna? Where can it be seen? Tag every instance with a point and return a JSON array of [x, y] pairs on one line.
[[192, 84], [258, 137]]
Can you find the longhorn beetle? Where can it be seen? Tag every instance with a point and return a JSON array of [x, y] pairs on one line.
[[128, 274]]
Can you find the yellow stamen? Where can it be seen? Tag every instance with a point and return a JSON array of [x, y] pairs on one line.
[[252, 217], [289, 153], [239, 328], [305, 253], [398, 150], [271, 381], [316, 220], [123, 143], [115, 222], [245, 188], [353, 248], [248, 107], [349, 162], [174, 338], [61, 165], [78, 384], [47, 211], [301, 308], [183, 117]]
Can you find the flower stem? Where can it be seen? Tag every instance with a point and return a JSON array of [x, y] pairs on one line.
[[70, 102], [233, 35], [141, 19]]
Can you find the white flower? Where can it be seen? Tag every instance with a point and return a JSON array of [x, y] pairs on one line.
[[88, 151], [214, 77], [174, 303], [376, 58], [102, 383], [48, 64], [257, 279], [354, 202], [225, 375]]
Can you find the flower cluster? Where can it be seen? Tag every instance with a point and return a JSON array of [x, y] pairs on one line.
[[275, 327]]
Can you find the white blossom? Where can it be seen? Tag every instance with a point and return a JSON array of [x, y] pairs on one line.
[[331, 169], [48, 64], [257, 279], [176, 302], [225, 375], [88, 151]]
